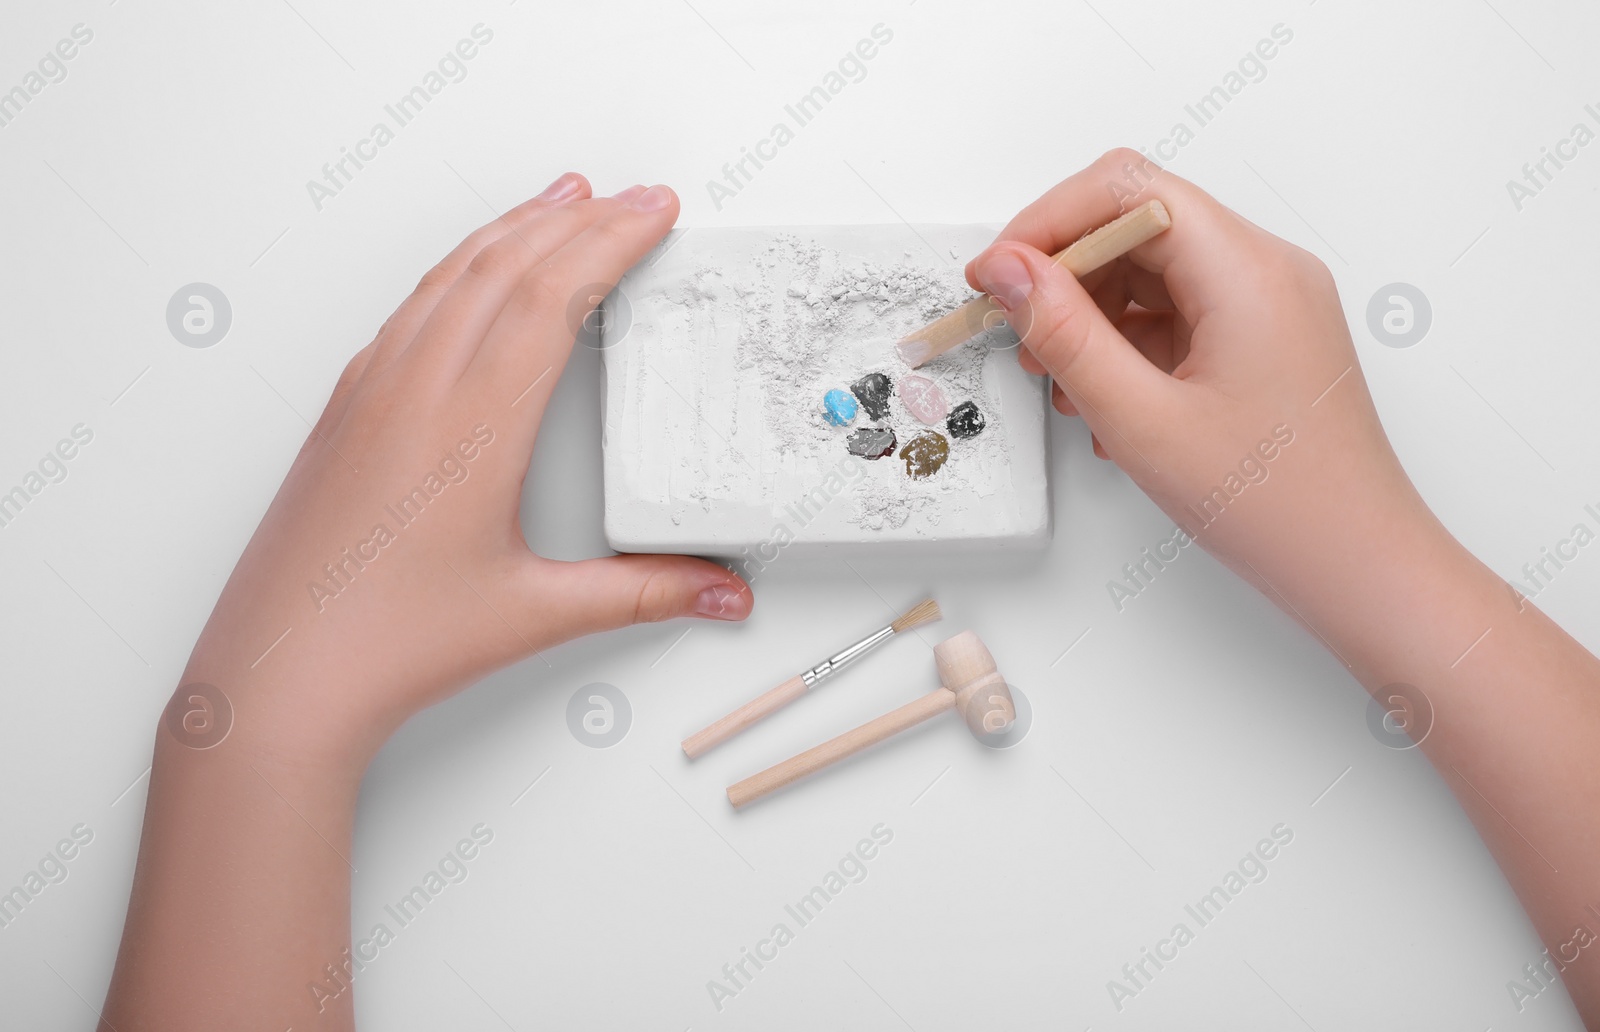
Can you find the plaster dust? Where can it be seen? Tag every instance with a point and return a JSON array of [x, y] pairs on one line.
[[718, 350]]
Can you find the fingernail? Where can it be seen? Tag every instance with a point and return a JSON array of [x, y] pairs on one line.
[[653, 199], [1005, 277], [565, 187], [721, 602], [629, 194]]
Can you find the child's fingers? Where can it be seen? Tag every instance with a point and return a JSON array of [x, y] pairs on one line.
[[401, 328], [523, 353], [1147, 289], [616, 591], [1108, 381], [1151, 334], [1110, 296], [1197, 256], [1062, 403], [446, 344]]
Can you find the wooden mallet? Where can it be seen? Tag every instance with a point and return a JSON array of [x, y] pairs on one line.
[[968, 681]]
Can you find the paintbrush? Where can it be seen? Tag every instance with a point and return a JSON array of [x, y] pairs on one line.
[[1110, 241], [763, 706]]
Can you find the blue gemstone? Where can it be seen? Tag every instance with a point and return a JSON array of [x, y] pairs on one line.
[[838, 407]]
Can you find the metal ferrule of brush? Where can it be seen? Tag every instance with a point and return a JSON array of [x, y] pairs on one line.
[[834, 663]]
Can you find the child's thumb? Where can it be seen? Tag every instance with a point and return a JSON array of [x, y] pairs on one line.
[[616, 591], [1101, 372]]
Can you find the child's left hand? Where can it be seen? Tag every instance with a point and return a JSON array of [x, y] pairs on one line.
[[391, 569]]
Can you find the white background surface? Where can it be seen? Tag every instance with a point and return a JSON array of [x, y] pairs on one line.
[[1169, 738]]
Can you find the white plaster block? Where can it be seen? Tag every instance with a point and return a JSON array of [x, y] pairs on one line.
[[717, 350]]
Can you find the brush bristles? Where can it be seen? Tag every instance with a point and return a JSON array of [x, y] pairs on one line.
[[924, 612]]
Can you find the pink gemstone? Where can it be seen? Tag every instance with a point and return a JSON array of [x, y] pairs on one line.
[[923, 399]]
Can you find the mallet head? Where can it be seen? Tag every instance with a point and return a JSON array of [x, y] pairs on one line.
[[982, 695]]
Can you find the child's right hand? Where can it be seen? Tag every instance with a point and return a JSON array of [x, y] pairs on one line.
[[1208, 362], [1213, 364]]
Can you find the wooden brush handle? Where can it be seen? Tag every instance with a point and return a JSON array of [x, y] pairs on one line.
[[847, 744], [758, 708], [1115, 239], [1111, 241]]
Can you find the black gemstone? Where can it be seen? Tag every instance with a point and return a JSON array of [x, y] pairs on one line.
[[873, 392], [965, 420]]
